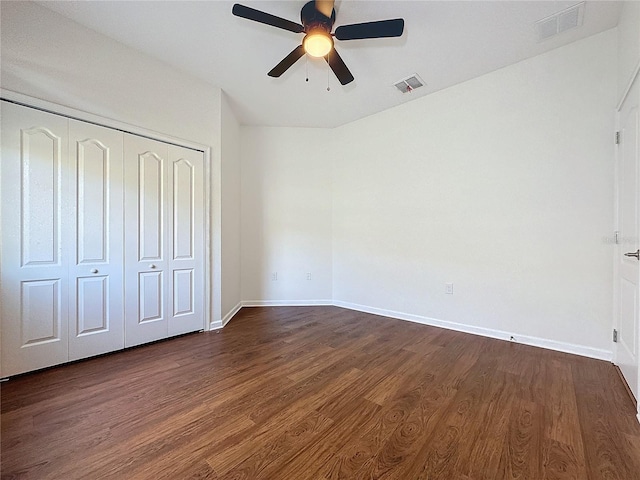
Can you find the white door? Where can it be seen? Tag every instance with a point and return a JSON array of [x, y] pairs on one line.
[[96, 309], [87, 212], [164, 245], [146, 236], [627, 355], [35, 245], [186, 225]]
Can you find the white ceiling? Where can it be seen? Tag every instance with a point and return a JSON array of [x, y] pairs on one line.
[[445, 43]]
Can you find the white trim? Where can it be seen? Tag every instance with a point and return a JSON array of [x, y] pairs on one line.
[[616, 247], [485, 332], [227, 317], [636, 71], [208, 225], [57, 109], [286, 303], [266, 303], [216, 325]]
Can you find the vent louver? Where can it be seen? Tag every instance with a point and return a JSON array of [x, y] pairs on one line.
[[409, 84], [562, 21]]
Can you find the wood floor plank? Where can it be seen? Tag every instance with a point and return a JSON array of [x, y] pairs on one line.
[[607, 454], [563, 447], [562, 461], [355, 454], [267, 459], [318, 393], [522, 448], [309, 462], [406, 451], [482, 451], [454, 433], [239, 447]]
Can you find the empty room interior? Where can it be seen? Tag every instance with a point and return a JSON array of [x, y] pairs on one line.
[[320, 240]]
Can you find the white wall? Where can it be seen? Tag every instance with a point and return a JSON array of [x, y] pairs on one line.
[[628, 43], [230, 211], [49, 57], [286, 214], [502, 185]]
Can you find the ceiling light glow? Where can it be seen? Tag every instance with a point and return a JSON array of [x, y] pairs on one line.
[[318, 44]]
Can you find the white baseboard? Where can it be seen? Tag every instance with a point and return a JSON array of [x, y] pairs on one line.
[[221, 323], [231, 314], [265, 303], [581, 350], [485, 332], [285, 303]]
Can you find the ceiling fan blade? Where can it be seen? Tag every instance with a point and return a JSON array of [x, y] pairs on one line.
[[266, 18], [379, 29], [325, 7], [338, 66], [287, 61]]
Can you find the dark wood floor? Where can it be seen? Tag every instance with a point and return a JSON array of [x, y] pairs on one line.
[[322, 393]]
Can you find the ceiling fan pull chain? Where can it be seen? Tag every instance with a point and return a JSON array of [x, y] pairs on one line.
[[328, 73], [306, 58]]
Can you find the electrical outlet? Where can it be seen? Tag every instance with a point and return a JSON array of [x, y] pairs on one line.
[[274, 276], [448, 288], [308, 275]]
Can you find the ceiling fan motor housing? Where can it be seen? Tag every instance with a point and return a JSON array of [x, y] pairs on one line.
[[312, 19]]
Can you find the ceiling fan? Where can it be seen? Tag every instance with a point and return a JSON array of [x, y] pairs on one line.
[[318, 17]]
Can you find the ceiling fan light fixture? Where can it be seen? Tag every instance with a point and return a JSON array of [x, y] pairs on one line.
[[317, 43], [318, 17]]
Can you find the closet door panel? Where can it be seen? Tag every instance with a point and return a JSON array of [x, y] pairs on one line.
[[146, 196], [186, 174], [96, 304], [150, 297], [92, 309], [150, 205], [41, 312], [35, 247]]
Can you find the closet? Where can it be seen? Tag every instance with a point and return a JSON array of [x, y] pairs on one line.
[[102, 243]]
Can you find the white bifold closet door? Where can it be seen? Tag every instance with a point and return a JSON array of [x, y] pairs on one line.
[[164, 243], [96, 304], [62, 255], [102, 240]]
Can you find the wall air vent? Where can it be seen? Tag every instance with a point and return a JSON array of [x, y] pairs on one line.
[[562, 21], [409, 84]]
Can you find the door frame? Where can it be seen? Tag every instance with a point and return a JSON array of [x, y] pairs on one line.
[[212, 248], [635, 77]]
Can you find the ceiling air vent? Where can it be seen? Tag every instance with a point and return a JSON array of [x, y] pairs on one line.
[[409, 84], [562, 21]]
